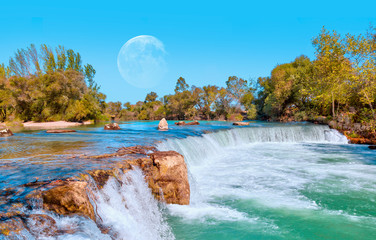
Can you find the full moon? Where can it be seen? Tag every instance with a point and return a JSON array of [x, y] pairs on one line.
[[141, 61]]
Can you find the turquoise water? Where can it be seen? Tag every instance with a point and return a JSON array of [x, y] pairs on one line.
[[265, 181]]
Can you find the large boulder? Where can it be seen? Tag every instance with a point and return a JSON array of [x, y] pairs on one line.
[[241, 123], [6, 132], [163, 125], [67, 198], [169, 174], [372, 147], [112, 126]]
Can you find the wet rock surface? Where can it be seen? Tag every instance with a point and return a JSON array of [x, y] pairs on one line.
[[60, 131], [182, 123], [241, 123], [6, 132], [112, 126], [163, 125], [164, 172]]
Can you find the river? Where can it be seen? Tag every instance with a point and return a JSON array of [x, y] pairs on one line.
[[263, 181]]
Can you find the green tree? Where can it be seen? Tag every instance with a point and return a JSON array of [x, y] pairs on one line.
[[151, 97], [89, 74], [181, 85], [236, 88]]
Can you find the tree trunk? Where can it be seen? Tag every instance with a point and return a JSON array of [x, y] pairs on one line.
[[333, 106]]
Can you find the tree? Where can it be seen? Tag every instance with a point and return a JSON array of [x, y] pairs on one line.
[[331, 69], [209, 96], [362, 52], [48, 58], [61, 57], [236, 88], [151, 97], [247, 102], [181, 85], [90, 73]]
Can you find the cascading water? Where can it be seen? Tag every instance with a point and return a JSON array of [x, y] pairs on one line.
[[124, 206], [266, 182], [129, 209], [279, 182], [198, 148]]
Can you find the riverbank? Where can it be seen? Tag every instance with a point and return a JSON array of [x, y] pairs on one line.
[[356, 133], [44, 125]]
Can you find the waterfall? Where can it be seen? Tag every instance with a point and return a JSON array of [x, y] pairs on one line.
[[195, 148], [125, 210], [129, 209]]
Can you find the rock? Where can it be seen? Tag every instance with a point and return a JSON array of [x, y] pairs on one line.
[[112, 126], [68, 198], [163, 125], [357, 127], [321, 120], [41, 225], [241, 123], [60, 131], [165, 172], [372, 147], [182, 123], [11, 227], [169, 175], [5, 132], [193, 123], [333, 124]]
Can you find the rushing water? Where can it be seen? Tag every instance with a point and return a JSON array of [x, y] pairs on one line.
[[266, 181]]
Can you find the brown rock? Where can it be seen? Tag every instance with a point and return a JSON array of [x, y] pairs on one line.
[[69, 198], [112, 126], [163, 125], [164, 172], [11, 227], [41, 225], [6, 132], [169, 175], [241, 123], [193, 123], [372, 147], [60, 131], [182, 123]]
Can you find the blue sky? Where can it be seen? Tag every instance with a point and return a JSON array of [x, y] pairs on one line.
[[205, 41]]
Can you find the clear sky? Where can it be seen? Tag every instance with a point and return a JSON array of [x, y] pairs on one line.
[[205, 41]]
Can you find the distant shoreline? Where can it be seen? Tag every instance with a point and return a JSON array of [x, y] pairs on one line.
[[53, 125]]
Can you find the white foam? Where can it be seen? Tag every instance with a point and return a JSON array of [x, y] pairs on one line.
[[129, 209]]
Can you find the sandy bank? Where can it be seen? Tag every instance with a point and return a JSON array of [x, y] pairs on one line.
[[53, 125]]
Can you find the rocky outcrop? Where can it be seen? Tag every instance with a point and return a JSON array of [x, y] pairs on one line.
[[40, 225], [163, 125], [182, 123], [6, 132], [112, 126], [69, 197], [165, 172], [169, 174], [241, 123], [60, 131]]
